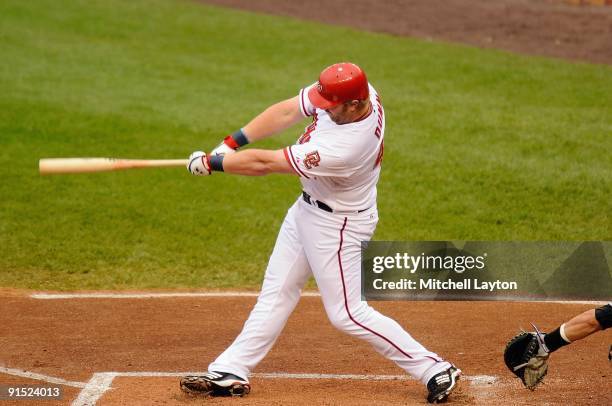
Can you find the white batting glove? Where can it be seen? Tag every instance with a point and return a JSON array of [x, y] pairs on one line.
[[223, 149], [198, 164]]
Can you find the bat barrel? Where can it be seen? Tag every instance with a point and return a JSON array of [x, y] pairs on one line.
[[51, 166]]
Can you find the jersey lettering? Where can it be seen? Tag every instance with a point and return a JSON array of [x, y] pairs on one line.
[[378, 131], [304, 138]]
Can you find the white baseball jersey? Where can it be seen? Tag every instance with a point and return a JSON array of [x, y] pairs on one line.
[[339, 165]]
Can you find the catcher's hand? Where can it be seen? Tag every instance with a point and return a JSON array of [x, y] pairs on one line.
[[526, 355]]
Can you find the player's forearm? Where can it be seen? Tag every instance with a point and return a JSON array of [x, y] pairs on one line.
[[255, 162], [273, 120]]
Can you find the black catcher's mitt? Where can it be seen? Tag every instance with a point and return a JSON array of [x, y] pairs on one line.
[[526, 356]]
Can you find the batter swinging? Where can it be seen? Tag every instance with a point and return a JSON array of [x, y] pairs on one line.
[[338, 159]]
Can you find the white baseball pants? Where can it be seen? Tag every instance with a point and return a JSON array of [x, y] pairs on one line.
[[327, 245]]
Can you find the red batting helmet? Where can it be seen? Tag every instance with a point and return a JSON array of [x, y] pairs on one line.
[[337, 84]]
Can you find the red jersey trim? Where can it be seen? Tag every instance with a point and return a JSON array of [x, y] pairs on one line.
[[289, 160], [302, 104], [293, 163]]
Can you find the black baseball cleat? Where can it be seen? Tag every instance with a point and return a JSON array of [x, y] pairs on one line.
[[215, 384], [442, 384]]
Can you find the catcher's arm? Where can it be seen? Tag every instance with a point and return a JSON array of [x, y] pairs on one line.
[[526, 356]]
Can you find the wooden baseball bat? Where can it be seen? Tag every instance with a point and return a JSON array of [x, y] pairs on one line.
[[51, 166]]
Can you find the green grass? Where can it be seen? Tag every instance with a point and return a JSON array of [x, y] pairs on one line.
[[480, 144]]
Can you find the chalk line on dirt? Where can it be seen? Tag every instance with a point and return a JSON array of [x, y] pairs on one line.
[[161, 295], [474, 379], [94, 389], [94, 295], [41, 377]]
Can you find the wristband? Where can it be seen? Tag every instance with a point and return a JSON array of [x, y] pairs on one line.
[[237, 139], [216, 163]]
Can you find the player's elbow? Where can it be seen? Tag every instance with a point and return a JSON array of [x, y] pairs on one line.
[[273, 167], [288, 111], [261, 168], [263, 164]]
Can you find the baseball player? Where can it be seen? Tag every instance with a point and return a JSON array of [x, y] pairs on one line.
[[526, 355], [338, 160]]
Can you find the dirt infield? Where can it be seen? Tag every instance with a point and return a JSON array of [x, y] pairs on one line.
[[147, 343], [536, 27]]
